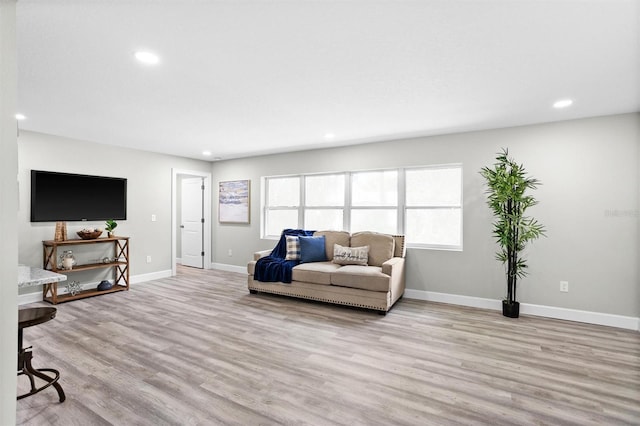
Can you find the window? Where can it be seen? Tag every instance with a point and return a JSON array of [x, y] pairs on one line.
[[374, 201], [433, 211], [424, 203], [324, 201], [282, 204]]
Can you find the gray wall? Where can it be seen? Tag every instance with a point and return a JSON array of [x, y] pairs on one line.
[[148, 192], [589, 202], [589, 171], [8, 198]]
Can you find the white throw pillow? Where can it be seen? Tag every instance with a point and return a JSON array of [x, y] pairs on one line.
[[350, 255]]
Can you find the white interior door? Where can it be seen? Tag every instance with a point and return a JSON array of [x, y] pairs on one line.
[[192, 226]]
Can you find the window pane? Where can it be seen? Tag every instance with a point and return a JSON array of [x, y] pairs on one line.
[[325, 190], [379, 188], [385, 221], [277, 220], [434, 187], [434, 226], [284, 192], [323, 219]]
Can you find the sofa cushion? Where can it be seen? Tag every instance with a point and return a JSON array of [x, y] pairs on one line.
[[334, 237], [316, 272], [350, 255], [362, 277], [312, 249], [381, 246], [293, 248]]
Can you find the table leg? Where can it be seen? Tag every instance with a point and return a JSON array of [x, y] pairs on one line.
[[25, 367]]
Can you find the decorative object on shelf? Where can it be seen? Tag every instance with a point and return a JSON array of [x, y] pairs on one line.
[[89, 233], [507, 184], [233, 201], [104, 285], [61, 231], [67, 259], [74, 288], [110, 225], [108, 259]]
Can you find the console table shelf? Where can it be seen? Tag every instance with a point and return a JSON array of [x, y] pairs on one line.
[[120, 267]]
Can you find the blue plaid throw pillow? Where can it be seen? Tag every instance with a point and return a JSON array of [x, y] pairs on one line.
[[293, 248]]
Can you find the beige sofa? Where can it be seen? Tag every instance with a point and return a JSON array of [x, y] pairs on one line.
[[376, 286]]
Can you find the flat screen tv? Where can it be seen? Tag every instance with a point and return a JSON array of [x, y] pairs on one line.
[[70, 197]]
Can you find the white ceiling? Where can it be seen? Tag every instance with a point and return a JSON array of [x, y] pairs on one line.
[[241, 78]]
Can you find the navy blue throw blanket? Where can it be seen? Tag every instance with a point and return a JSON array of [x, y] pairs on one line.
[[274, 268]]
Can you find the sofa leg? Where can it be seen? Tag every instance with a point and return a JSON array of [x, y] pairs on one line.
[[383, 313], [253, 291]]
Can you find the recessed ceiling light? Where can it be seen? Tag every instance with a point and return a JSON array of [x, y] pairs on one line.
[[20, 117], [563, 103], [207, 153], [329, 136], [147, 58]]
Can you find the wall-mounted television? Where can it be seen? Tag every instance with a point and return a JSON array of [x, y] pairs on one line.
[[71, 197]]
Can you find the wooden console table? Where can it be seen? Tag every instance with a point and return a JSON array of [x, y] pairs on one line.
[[120, 266]]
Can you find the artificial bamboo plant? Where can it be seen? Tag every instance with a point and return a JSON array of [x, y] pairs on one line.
[[507, 197]]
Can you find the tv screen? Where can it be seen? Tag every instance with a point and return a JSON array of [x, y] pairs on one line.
[[71, 197]]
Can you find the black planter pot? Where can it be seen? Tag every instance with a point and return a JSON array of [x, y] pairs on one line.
[[510, 310]]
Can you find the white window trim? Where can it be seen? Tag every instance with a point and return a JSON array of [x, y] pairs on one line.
[[401, 206]]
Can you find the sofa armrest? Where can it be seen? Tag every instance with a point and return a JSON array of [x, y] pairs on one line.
[[260, 254], [393, 266]]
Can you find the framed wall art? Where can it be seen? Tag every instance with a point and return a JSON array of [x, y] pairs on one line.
[[233, 201]]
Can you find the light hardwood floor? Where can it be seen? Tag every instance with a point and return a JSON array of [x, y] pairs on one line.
[[198, 349]]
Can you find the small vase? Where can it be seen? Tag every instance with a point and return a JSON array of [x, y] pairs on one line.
[[109, 234], [61, 231], [67, 260], [510, 310], [104, 285]]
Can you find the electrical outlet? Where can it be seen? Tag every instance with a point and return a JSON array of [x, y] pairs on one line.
[[153, 218], [564, 286], [230, 253], [148, 259]]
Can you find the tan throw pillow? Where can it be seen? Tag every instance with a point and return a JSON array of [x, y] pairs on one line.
[[350, 255], [334, 237], [381, 246]]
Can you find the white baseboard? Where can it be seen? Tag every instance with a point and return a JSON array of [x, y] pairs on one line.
[[135, 279], [229, 268], [611, 320], [23, 299]]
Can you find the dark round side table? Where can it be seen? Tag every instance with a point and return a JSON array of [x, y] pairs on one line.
[[27, 318]]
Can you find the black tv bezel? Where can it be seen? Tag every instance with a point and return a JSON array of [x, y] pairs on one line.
[[34, 174]]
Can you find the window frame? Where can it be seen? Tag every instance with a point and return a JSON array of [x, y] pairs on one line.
[[401, 207], [406, 208]]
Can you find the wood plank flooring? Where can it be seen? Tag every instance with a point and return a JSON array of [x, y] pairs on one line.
[[198, 349]]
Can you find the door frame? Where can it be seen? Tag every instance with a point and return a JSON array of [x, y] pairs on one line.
[[208, 226]]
